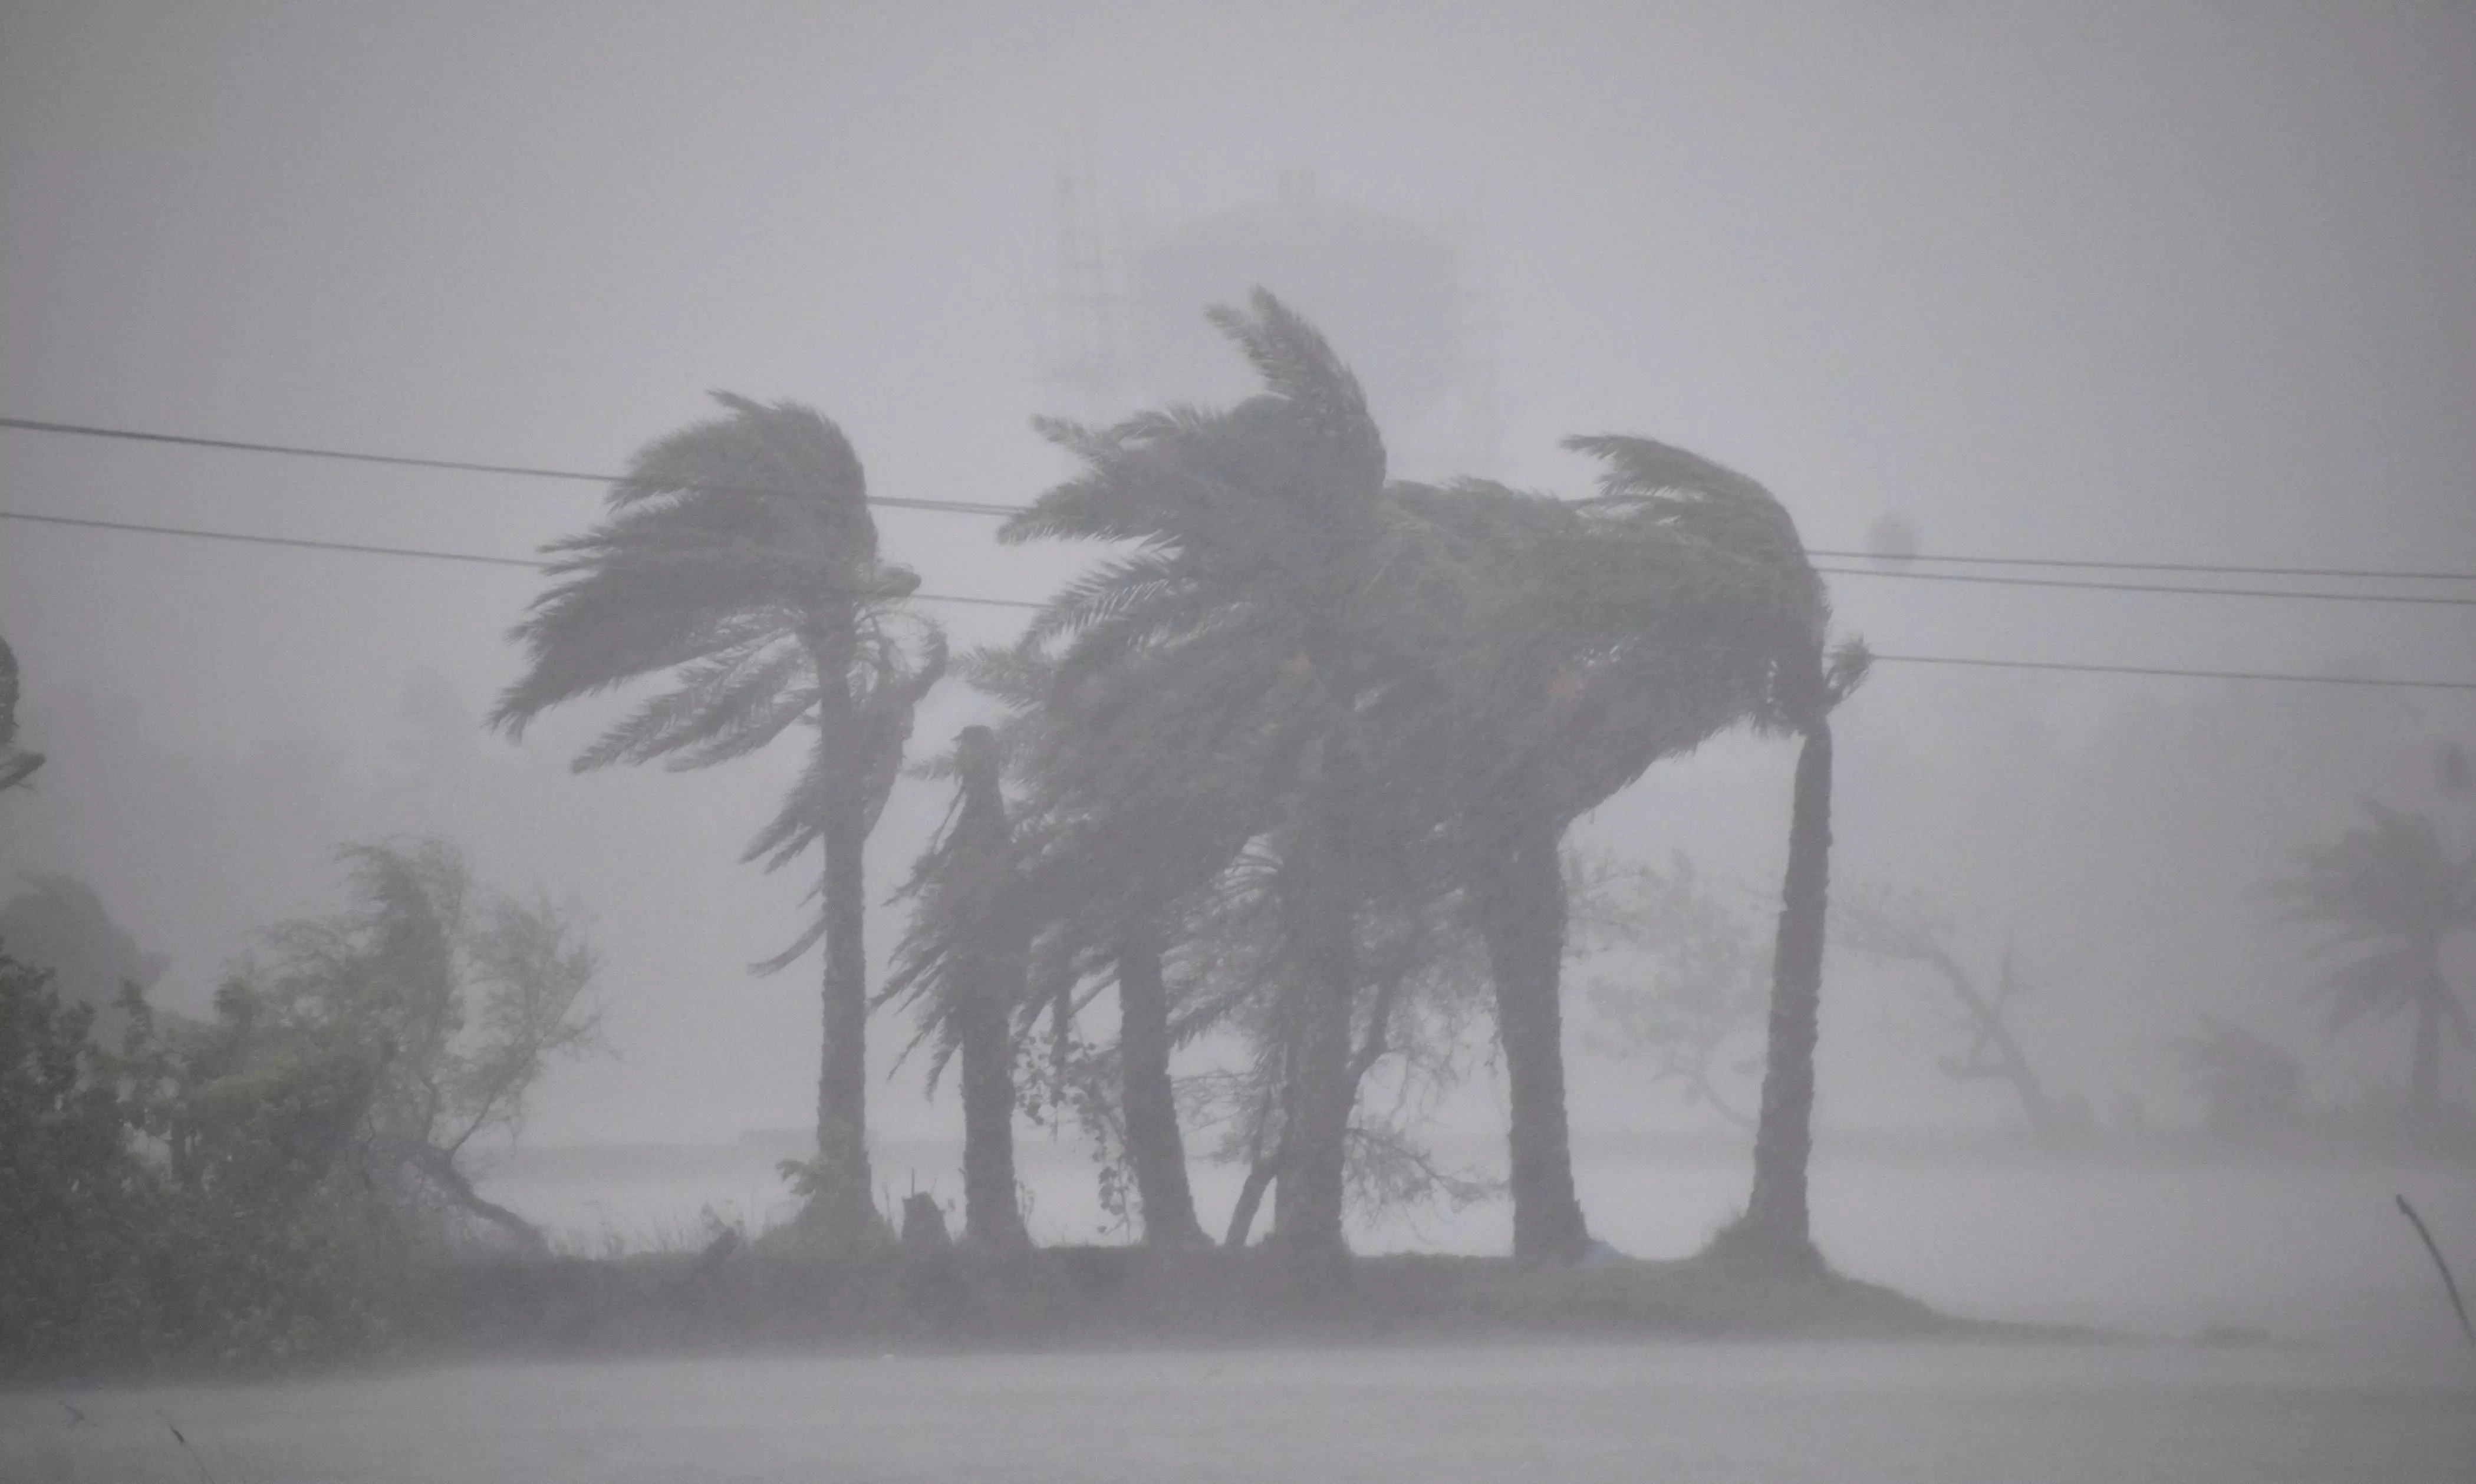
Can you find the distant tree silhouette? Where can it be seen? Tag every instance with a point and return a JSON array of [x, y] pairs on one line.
[[16, 766], [2386, 894], [2248, 1084]]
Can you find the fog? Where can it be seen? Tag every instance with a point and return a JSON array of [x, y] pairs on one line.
[[2189, 285]]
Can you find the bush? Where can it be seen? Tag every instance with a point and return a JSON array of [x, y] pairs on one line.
[[186, 1197], [75, 1202]]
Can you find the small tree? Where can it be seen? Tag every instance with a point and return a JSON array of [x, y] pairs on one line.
[[1891, 926], [1707, 987], [73, 1199], [459, 996]]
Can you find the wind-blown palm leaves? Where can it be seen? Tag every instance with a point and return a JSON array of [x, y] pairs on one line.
[[2387, 894], [1404, 692], [1243, 609], [739, 561]]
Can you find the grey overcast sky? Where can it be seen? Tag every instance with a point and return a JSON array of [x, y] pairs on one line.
[[2191, 281]]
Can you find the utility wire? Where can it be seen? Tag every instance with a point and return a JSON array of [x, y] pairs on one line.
[[980, 507], [2173, 673], [366, 549], [2221, 569], [460, 465], [2087, 586]]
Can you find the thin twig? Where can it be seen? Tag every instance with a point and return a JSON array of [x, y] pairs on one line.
[[2448, 1281], [195, 1456]]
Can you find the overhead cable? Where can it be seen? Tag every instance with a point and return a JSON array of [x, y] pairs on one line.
[[427, 553], [1893, 562]]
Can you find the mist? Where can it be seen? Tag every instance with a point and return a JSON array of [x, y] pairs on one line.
[[2110, 363]]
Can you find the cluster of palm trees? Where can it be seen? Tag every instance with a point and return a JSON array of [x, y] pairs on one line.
[[1294, 759]]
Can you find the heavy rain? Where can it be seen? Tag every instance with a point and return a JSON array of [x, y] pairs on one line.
[[1117, 742]]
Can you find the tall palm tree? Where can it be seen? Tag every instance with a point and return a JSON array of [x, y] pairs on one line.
[[739, 561], [1258, 531], [964, 959], [1777, 1230], [2387, 893]]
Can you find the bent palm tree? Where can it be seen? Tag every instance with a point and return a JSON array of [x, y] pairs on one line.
[[1623, 630], [740, 561], [2389, 892]]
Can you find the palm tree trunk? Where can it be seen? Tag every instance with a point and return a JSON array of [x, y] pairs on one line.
[[1776, 1228], [1154, 1146], [1521, 914], [992, 1211], [844, 1202], [989, 985], [1307, 1202], [2424, 1075]]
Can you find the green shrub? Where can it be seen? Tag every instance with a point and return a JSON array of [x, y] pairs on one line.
[[76, 1203]]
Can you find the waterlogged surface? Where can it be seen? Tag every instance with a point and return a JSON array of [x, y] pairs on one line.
[[1726, 1413]]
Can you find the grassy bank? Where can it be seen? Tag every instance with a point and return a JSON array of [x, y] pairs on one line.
[[1107, 1296]]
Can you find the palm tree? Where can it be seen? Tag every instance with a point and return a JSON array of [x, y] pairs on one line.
[[1257, 530], [739, 561], [964, 956], [1595, 639], [1777, 1230], [2387, 893]]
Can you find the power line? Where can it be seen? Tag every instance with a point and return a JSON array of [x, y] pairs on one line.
[[2092, 585], [2221, 569], [365, 549], [980, 507], [2173, 673], [302, 543], [459, 465]]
